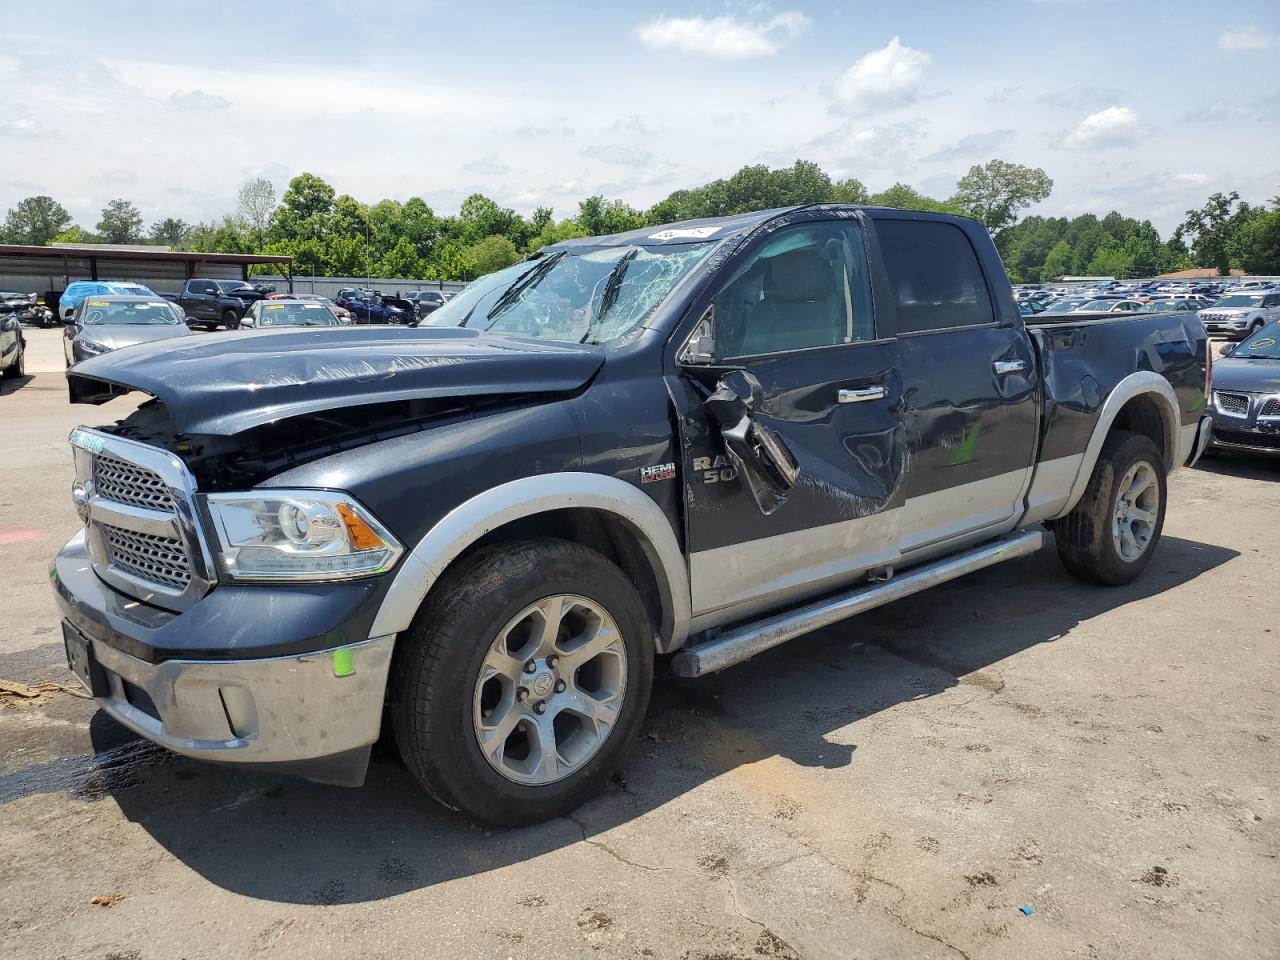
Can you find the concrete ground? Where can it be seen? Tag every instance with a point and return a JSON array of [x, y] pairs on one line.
[[901, 785]]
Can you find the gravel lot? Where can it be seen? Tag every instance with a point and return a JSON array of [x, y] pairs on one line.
[[896, 786]]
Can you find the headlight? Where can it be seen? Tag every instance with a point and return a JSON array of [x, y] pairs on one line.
[[92, 347], [299, 535]]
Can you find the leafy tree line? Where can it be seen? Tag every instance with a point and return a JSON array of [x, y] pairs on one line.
[[336, 235]]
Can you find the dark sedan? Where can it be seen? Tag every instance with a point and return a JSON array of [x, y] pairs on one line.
[[101, 324], [1246, 394]]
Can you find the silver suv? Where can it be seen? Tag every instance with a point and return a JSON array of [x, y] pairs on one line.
[[1239, 314]]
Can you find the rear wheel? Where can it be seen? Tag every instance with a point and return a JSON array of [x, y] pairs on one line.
[[523, 681], [1110, 535], [230, 320]]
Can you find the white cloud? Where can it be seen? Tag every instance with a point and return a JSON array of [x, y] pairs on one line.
[[972, 146], [198, 100], [883, 79], [1079, 97], [1247, 38], [1192, 179], [619, 154], [1112, 127], [492, 164], [723, 38]]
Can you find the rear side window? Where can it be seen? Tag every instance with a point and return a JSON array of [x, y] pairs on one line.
[[934, 276]]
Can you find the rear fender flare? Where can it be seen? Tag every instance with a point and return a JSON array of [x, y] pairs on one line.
[[1144, 382], [498, 506]]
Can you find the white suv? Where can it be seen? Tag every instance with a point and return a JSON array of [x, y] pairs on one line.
[[1240, 314]]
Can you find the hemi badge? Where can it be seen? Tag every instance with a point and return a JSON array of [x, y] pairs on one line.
[[659, 471]]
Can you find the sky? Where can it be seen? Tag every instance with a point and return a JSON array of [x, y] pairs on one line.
[[1144, 107]]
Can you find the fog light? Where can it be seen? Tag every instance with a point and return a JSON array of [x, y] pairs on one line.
[[242, 713]]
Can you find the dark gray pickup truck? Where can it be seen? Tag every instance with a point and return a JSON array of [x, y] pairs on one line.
[[695, 441]]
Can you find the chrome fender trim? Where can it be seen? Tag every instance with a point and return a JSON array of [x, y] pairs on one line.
[[1136, 384], [470, 521]]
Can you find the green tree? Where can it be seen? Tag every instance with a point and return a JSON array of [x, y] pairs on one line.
[[597, 216], [1145, 251], [556, 232], [225, 236], [1057, 263], [121, 223], [402, 261], [35, 221], [254, 205], [1259, 241], [171, 232], [308, 196], [902, 197], [490, 254], [1110, 260], [994, 193], [74, 235], [848, 191], [1210, 230]]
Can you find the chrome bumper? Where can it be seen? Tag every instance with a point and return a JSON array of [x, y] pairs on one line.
[[315, 714]]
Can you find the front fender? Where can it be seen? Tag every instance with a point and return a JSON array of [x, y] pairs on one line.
[[471, 520]]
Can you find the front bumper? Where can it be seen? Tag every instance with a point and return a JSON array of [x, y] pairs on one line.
[[1204, 433], [313, 711], [315, 715]]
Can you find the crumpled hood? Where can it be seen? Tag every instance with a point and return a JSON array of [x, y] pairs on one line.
[[114, 336], [1247, 376], [226, 383]]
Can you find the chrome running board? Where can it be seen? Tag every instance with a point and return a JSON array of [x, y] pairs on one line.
[[741, 643]]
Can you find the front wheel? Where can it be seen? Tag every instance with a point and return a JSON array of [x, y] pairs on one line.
[[1110, 535], [522, 681], [17, 368], [230, 320]]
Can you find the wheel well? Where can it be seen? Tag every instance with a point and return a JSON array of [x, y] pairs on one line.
[[1144, 414], [602, 532]]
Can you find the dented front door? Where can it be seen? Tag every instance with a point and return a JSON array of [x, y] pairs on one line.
[[837, 407]]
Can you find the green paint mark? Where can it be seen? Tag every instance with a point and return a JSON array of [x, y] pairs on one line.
[[343, 665], [964, 452]]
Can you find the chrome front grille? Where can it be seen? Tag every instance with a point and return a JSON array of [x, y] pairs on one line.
[[1235, 404], [125, 483], [138, 503], [161, 560]]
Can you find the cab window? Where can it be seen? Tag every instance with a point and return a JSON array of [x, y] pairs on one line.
[[807, 286]]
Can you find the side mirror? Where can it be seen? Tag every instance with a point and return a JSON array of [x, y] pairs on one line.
[[760, 455], [1227, 350], [701, 347]]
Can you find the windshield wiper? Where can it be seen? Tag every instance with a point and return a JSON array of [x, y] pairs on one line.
[[611, 288], [521, 285]]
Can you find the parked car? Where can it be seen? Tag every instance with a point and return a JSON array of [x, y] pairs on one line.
[[215, 303], [342, 313], [1066, 305], [1168, 306], [425, 301], [1107, 305], [102, 324], [77, 290], [1246, 394], [370, 306], [1240, 314], [698, 440], [13, 344], [289, 313]]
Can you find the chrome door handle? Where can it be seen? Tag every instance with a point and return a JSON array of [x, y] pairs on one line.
[[1005, 367], [862, 395]]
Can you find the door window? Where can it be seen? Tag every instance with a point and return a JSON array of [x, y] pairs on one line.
[[807, 286], [934, 275]]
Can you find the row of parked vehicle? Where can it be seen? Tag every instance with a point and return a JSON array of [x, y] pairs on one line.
[[1230, 310]]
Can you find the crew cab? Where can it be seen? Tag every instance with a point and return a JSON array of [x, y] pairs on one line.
[[215, 303], [695, 441]]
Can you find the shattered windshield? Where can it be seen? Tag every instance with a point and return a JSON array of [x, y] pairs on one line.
[[576, 295]]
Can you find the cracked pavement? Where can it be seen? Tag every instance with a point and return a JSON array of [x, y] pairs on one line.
[[898, 785]]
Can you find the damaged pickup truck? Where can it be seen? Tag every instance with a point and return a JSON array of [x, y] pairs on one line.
[[695, 441]]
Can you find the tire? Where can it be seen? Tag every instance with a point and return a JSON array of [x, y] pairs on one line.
[[230, 320], [17, 368], [439, 707], [1091, 540]]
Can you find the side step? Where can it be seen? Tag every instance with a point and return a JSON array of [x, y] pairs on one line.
[[743, 642]]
